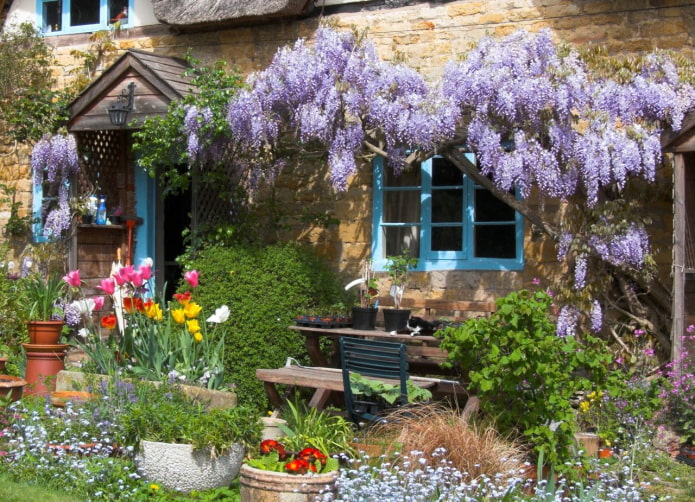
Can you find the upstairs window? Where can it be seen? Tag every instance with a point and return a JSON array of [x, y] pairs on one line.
[[80, 16], [439, 215]]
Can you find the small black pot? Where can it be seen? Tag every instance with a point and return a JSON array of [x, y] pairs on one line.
[[364, 318], [396, 320]]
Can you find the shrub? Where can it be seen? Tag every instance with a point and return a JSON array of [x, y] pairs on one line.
[[525, 374], [264, 287]]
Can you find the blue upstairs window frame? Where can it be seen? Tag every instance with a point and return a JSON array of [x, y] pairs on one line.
[[60, 17], [416, 234]]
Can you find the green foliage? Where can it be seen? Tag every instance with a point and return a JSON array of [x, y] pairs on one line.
[[164, 413], [369, 387], [30, 107], [16, 226], [525, 375], [264, 288], [13, 314], [160, 143], [318, 429], [44, 295]]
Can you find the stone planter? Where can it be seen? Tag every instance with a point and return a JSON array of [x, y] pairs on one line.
[[179, 467], [271, 429], [589, 442], [268, 486], [77, 380]]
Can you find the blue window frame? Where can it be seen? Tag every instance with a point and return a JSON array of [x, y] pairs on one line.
[[437, 213], [59, 17]]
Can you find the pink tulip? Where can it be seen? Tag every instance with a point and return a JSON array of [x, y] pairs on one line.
[[73, 278], [136, 278], [124, 275], [192, 278], [98, 302], [146, 272], [108, 286]]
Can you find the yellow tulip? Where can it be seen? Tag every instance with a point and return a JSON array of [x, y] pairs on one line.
[[193, 326], [192, 310], [179, 315], [154, 312], [198, 337]]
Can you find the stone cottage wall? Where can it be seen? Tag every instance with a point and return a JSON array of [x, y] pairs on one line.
[[427, 35]]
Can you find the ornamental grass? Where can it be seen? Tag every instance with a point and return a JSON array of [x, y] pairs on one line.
[[427, 428]]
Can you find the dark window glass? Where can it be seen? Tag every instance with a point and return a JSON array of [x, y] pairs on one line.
[[402, 206], [444, 173], [447, 238], [52, 17], [84, 12], [118, 11], [490, 208], [447, 206], [401, 240], [407, 178], [495, 241]]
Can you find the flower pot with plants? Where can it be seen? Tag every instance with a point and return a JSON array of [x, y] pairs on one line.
[[45, 297], [364, 315], [397, 267], [183, 445], [276, 474]]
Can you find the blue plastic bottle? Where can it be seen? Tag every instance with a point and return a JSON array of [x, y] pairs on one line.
[[101, 211]]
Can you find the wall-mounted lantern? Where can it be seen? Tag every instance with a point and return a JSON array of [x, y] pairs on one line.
[[118, 112]]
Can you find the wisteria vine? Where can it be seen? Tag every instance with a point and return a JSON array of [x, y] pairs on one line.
[[53, 160]]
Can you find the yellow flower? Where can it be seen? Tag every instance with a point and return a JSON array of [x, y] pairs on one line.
[[192, 310], [193, 326], [154, 311], [154, 487], [198, 336], [584, 406], [179, 315]]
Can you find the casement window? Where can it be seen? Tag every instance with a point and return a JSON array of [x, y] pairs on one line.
[[81, 16], [439, 215]]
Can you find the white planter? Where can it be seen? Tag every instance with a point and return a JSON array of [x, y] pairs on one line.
[[179, 467]]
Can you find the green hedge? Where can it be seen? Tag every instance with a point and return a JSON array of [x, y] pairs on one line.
[[264, 288]]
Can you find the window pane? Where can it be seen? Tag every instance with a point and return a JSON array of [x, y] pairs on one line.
[[490, 208], [118, 11], [84, 12], [409, 178], [447, 238], [52, 19], [400, 240], [495, 241], [402, 206], [444, 173], [447, 206]]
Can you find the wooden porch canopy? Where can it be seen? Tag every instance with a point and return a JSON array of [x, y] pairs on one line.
[[682, 145], [158, 81]]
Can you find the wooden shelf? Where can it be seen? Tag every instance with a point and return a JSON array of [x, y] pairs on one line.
[[102, 227]]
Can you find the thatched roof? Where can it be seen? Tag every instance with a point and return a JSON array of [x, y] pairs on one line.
[[185, 14]]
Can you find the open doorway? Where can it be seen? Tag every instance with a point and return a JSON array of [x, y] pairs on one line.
[[175, 219]]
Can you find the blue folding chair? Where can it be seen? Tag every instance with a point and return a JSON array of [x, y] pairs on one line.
[[373, 359]]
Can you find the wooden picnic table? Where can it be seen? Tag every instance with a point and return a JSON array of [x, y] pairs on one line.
[[424, 353]]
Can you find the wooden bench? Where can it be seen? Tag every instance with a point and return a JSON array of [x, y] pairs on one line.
[[329, 380], [431, 309]]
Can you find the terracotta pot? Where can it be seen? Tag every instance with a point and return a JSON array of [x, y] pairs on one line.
[[267, 486], [43, 364], [44, 332], [12, 386]]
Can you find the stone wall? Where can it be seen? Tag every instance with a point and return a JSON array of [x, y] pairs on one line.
[[427, 35]]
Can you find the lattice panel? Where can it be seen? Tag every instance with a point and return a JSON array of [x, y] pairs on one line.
[[101, 160], [210, 208], [689, 237]]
